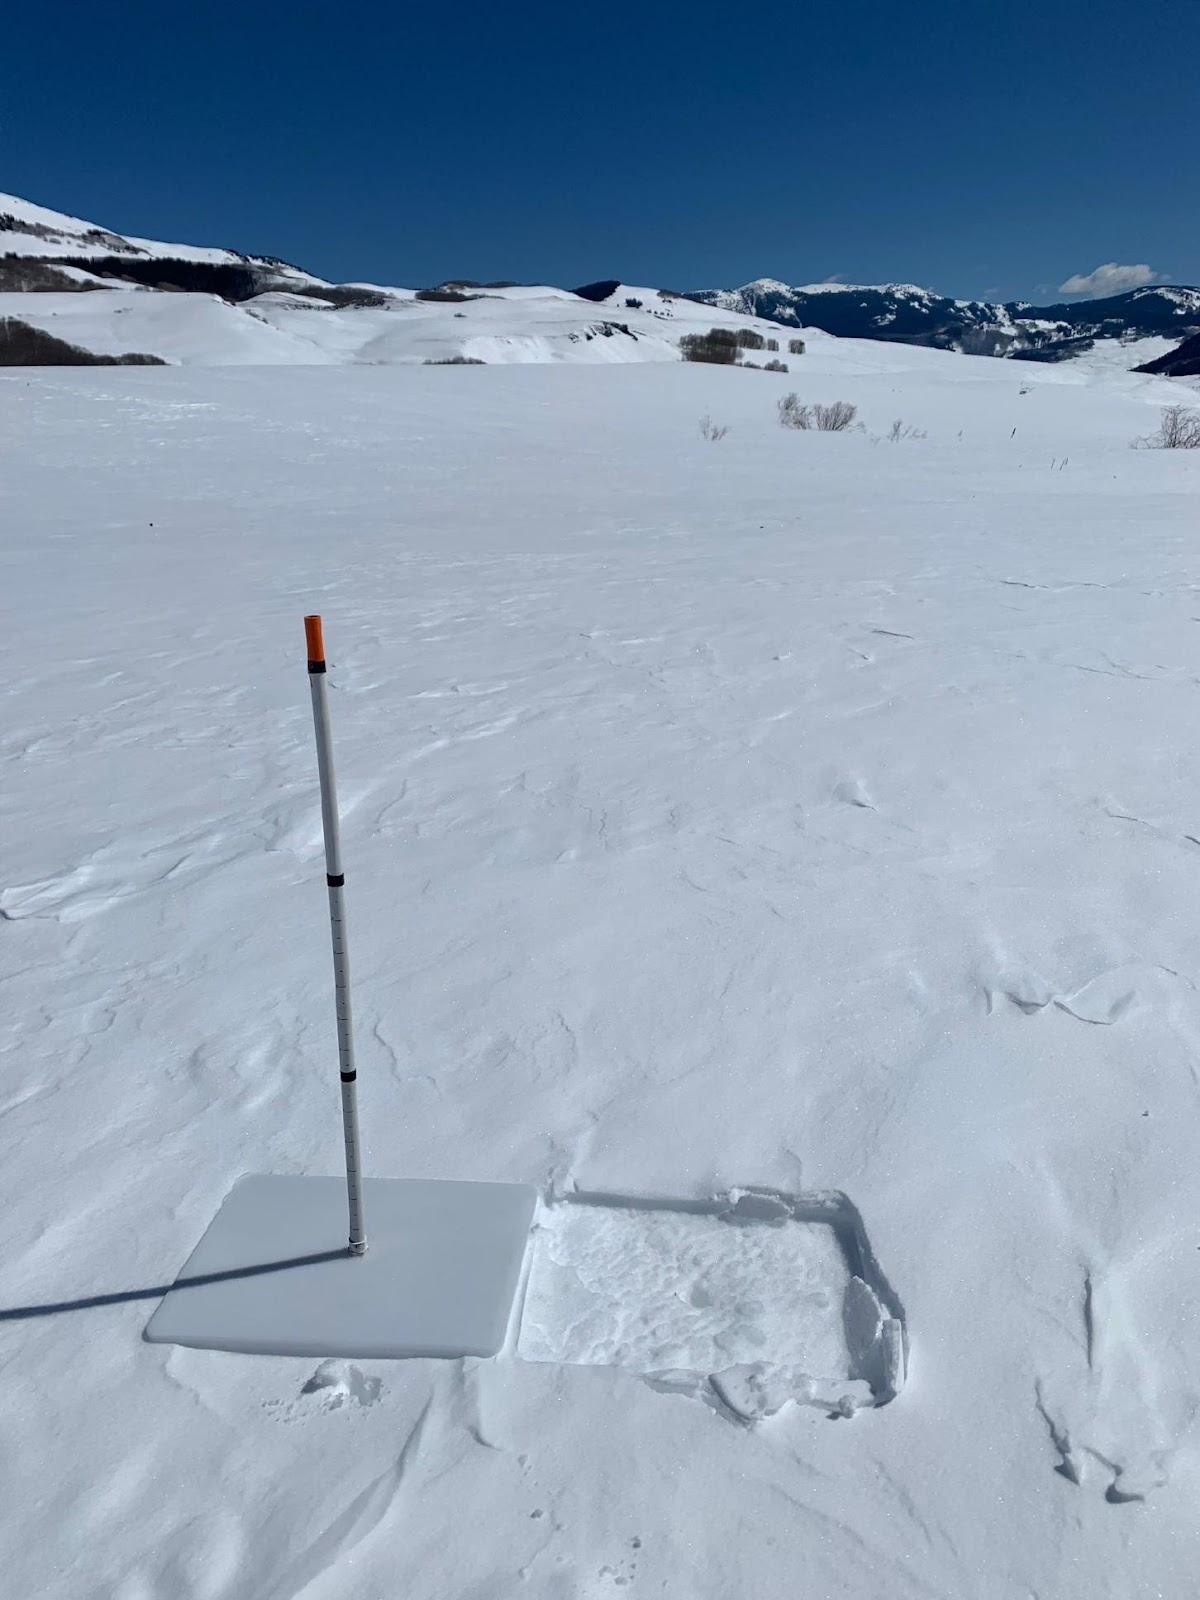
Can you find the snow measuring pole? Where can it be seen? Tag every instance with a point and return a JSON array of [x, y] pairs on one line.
[[335, 878]]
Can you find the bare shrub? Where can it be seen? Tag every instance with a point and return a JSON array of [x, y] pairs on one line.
[[836, 417], [453, 361], [748, 339], [902, 430], [718, 346], [1179, 429], [772, 344], [775, 366], [795, 347], [345, 296], [445, 296], [712, 431], [633, 303], [794, 415]]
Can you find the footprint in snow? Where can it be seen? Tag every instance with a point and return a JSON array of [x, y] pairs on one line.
[[335, 1385], [338, 1383]]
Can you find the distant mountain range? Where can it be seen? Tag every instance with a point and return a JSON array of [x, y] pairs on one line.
[[253, 308], [905, 313]]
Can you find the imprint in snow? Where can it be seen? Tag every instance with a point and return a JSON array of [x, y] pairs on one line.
[[749, 1301], [338, 1381]]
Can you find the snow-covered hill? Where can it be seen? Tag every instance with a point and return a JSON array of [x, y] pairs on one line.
[[496, 326], [33, 233], [113, 296]]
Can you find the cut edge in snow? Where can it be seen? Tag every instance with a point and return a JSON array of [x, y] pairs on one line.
[[874, 1325]]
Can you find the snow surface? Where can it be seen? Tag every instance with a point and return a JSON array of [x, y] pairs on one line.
[[794, 810]]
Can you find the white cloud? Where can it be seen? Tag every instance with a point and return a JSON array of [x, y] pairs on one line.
[[834, 277], [1111, 278]]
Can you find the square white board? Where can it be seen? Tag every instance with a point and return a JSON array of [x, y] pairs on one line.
[[273, 1276]]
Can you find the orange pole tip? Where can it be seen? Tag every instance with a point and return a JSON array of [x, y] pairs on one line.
[[314, 638]]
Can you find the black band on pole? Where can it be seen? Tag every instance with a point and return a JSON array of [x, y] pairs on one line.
[[335, 880], [349, 1077], [316, 666]]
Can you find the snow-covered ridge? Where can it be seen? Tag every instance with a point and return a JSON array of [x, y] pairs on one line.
[[1187, 300], [36, 231], [913, 291]]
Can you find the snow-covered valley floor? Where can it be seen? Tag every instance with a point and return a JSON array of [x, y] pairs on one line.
[[792, 810]]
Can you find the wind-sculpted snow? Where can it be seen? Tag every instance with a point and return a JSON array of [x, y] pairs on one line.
[[791, 812]]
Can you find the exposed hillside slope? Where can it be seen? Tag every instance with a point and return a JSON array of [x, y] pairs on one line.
[[1183, 362]]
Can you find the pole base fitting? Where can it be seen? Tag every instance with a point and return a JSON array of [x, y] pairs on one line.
[[358, 1247]]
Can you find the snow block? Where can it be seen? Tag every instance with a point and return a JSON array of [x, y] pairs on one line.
[[273, 1275]]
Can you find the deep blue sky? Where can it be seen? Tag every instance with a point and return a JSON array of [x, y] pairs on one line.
[[980, 148]]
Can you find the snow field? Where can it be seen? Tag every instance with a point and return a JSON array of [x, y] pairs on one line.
[[791, 811]]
